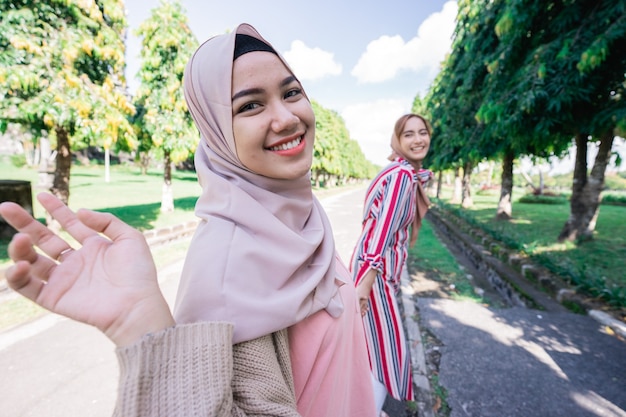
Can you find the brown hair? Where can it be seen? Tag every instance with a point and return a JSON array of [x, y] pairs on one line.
[[401, 122]]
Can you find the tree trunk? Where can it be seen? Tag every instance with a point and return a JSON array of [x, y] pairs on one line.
[[61, 183], [167, 197], [107, 165], [585, 200], [457, 194], [439, 181], [45, 170], [144, 161], [505, 208], [490, 174], [467, 202]]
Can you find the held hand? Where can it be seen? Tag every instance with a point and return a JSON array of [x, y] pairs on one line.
[[109, 282], [364, 290], [363, 294]]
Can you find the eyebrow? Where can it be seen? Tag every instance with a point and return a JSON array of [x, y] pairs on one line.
[[250, 91]]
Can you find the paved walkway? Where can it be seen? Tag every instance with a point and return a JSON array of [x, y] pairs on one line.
[[506, 363]]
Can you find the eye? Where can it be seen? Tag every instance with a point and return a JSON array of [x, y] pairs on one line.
[[293, 92], [248, 107]]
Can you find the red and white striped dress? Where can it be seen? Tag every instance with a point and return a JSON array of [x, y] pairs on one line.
[[387, 216]]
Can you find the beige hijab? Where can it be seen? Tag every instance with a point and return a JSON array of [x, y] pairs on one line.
[[263, 256]]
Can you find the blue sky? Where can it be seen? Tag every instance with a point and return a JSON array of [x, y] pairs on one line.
[[365, 59]]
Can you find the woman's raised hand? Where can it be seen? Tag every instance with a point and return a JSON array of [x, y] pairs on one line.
[[109, 282]]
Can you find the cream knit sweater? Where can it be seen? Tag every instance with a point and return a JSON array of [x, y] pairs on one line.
[[195, 370]]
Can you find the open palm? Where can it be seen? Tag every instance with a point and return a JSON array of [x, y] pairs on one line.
[[109, 282]]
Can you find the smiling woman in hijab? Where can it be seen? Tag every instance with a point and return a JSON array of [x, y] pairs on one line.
[[395, 204], [266, 321]]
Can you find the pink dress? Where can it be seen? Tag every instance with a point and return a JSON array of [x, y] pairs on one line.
[[330, 362]]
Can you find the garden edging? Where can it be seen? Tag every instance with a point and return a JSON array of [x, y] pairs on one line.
[[513, 275]]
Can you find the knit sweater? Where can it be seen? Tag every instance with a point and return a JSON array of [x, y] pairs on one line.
[[195, 370]]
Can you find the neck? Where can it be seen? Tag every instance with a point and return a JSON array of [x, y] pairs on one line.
[[416, 165]]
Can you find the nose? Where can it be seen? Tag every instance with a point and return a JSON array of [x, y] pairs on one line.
[[283, 118]]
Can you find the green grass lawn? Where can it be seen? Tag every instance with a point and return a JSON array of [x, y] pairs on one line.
[[131, 196], [596, 266]]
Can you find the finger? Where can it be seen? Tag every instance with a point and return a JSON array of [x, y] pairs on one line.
[[39, 234], [21, 250], [107, 224], [19, 279], [66, 218]]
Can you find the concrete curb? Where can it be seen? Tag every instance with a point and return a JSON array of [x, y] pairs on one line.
[[547, 290], [609, 321], [423, 395]]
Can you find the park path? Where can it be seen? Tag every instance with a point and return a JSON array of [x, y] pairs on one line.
[[508, 362], [56, 367]]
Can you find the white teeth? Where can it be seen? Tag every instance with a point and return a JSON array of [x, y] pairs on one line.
[[287, 145]]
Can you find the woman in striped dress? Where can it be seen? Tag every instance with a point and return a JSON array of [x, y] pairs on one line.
[[395, 204]]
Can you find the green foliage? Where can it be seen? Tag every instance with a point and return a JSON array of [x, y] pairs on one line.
[[543, 199], [62, 66], [335, 153], [18, 161], [526, 75], [616, 199], [163, 120]]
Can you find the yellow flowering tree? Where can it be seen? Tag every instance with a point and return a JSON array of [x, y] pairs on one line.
[[163, 122], [62, 76]]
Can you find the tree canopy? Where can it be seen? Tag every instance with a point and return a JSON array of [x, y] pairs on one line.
[[527, 76], [62, 75]]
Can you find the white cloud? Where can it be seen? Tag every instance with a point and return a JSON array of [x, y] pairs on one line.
[[311, 63], [387, 55], [371, 125]]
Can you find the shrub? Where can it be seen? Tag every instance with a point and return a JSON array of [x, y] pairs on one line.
[[616, 199], [543, 199], [18, 160]]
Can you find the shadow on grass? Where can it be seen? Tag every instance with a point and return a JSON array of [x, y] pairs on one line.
[[141, 216]]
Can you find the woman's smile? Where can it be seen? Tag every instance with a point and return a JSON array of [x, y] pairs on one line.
[[290, 147]]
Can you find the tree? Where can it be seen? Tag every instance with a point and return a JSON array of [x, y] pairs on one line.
[[566, 72], [62, 76], [336, 156], [164, 122], [533, 75]]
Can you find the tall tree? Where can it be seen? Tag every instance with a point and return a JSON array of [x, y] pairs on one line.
[[167, 44], [62, 76], [566, 80]]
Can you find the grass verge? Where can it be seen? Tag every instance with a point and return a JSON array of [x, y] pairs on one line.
[[594, 267]]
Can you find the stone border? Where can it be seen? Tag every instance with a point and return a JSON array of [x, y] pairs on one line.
[[512, 274], [423, 390]]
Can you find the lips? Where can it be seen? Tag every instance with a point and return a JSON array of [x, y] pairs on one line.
[[286, 146]]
